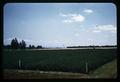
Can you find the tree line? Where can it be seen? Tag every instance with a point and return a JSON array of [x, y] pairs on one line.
[[20, 45], [91, 46]]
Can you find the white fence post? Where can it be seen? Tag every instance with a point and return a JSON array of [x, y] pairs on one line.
[[19, 63], [86, 67]]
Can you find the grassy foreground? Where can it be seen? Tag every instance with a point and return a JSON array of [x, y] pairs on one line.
[[108, 70], [58, 60]]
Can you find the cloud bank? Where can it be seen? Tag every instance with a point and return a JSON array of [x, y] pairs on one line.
[[88, 11], [106, 28], [69, 18]]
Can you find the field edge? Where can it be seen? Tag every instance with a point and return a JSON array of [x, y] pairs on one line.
[[108, 70]]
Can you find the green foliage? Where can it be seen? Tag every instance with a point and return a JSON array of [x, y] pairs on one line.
[[108, 70], [31, 47], [58, 60], [22, 44], [16, 45]]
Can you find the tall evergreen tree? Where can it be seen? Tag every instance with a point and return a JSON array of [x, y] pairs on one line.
[[15, 44], [23, 44], [30, 46], [20, 45]]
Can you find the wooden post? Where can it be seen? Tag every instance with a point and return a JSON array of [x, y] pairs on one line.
[[19, 64], [86, 67]]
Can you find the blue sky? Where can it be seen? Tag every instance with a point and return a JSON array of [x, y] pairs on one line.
[[61, 24]]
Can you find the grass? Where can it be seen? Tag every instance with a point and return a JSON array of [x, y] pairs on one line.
[[58, 60], [108, 70]]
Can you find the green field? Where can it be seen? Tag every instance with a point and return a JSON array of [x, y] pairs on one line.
[[108, 70], [58, 60]]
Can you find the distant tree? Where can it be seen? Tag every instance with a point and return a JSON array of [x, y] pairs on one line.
[[30, 47], [20, 45], [7, 46], [38, 47], [33, 47], [93, 47], [14, 44], [23, 44]]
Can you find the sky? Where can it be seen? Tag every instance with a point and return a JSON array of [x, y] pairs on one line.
[[60, 24]]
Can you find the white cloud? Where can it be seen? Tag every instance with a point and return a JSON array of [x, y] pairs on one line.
[[72, 18], [71, 15], [67, 21], [76, 34], [63, 15], [108, 28], [19, 39], [88, 11], [67, 15], [56, 41], [9, 39], [97, 31], [78, 18]]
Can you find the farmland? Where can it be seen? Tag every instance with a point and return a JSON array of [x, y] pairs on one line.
[[108, 70], [71, 60]]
